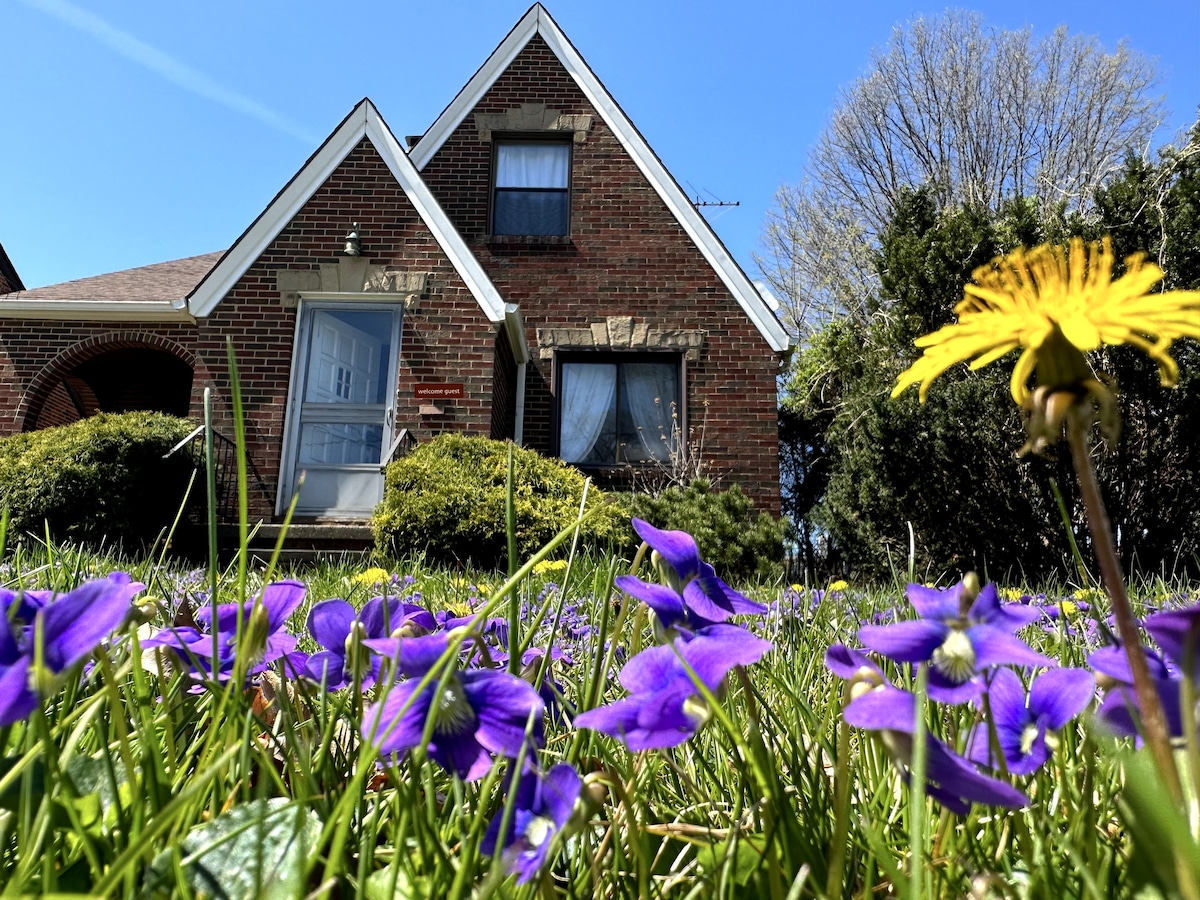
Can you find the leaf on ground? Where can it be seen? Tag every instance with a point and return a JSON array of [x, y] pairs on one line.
[[256, 850], [747, 851]]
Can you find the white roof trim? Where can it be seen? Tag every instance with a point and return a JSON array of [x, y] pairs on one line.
[[515, 326], [363, 121], [97, 310], [537, 21]]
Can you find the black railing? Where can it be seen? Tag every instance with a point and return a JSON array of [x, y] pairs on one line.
[[225, 463], [401, 447]]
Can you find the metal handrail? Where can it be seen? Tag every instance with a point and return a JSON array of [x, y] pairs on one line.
[[225, 453], [404, 443]]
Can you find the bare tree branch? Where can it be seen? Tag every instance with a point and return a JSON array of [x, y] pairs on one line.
[[981, 115]]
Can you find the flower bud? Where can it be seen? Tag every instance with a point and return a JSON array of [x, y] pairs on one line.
[[257, 630]]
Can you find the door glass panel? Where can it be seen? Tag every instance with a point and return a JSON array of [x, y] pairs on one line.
[[330, 443], [340, 427], [349, 356]]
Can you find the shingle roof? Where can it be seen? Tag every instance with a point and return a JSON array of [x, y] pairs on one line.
[[161, 281]]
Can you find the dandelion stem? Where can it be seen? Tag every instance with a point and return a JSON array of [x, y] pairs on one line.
[[1154, 720]]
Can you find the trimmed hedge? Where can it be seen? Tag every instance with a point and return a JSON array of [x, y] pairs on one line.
[[737, 541], [101, 479], [446, 499]]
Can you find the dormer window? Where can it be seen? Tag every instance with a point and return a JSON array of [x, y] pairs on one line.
[[531, 194]]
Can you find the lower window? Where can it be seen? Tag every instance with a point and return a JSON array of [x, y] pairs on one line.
[[613, 412]]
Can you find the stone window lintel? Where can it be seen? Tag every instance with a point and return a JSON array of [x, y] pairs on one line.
[[350, 275], [531, 117], [621, 333]]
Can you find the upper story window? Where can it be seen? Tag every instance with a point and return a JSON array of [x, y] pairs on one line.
[[619, 411], [531, 193]]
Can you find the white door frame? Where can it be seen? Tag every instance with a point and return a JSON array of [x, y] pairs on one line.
[[297, 410]]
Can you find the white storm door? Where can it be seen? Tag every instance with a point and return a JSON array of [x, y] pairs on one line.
[[341, 422]]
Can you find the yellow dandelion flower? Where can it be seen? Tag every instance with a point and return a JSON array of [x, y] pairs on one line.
[[372, 576], [1054, 303], [550, 567], [1068, 608], [838, 585], [1011, 595]]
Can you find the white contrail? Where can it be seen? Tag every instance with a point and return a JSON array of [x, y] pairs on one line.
[[171, 69]]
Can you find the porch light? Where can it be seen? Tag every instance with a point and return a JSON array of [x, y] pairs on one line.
[[353, 242]]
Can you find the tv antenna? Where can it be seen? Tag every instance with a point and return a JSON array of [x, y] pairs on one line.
[[697, 202]]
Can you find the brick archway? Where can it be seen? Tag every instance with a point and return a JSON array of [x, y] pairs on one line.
[[113, 372]]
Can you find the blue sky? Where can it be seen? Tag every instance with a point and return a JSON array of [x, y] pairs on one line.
[[137, 132]]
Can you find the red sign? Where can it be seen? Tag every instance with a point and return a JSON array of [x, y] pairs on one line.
[[438, 391]]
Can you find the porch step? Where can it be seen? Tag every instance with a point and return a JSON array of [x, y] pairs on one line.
[[303, 541]]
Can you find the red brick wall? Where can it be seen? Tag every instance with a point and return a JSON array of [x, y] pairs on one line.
[[446, 336], [627, 256]]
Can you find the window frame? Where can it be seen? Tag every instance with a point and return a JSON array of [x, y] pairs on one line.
[[618, 358], [514, 138]]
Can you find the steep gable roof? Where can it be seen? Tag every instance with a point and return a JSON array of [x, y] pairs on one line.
[[364, 121], [538, 22]]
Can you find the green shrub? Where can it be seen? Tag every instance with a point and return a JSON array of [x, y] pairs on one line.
[[101, 479], [446, 499], [739, 543]]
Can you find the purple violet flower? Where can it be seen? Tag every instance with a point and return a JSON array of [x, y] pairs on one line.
[[1024, 732], [693, 593], [664, 707], [957, 645], [891, 713], [1119, 708], [336, 626], [69, 627], [478, 712], [278, 601], [1177, 631], [542, 808]]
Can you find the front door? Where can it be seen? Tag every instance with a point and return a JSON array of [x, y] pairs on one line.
[[340, 419]]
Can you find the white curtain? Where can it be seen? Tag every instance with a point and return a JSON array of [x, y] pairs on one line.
[[650, 391], [532, 165], [588, 392]]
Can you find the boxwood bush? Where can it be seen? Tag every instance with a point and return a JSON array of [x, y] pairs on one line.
[[102, 479], [446, 499], [738, 541]]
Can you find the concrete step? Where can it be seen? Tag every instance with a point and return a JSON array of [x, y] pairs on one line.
[[302, 541]]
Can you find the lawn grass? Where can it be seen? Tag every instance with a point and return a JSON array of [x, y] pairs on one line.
[[134, 778]]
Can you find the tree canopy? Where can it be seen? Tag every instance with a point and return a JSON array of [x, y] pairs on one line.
[[870, 466]]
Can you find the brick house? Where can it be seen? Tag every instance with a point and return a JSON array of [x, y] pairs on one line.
[[525, 269]]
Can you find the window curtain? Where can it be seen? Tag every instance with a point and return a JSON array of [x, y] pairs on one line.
[[532, 165], [651, 392], [588, 393]]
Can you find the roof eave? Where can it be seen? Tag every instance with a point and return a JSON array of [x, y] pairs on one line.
[[98, 310], [514, 326]]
